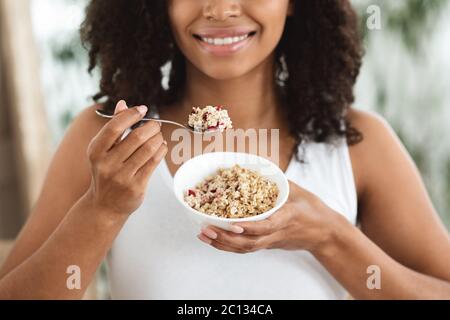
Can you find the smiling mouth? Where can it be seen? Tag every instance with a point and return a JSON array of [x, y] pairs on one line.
[[224, 41]]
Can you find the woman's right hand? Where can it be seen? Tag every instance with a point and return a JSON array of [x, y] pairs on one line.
[[121, 169]]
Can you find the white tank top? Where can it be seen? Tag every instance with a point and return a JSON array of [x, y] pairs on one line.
[[158, 256]]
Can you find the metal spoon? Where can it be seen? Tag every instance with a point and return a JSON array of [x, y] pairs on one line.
[[102, 114]]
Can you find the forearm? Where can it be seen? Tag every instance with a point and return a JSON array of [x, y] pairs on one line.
[[348, 255], [82, 239]]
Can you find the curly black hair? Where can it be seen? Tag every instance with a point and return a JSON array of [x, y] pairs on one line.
[[320, 49]]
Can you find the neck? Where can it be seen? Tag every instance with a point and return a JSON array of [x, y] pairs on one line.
[[251, 100]]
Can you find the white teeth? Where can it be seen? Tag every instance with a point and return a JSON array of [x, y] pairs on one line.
[[224, 41], [218, 42], [228, 41]]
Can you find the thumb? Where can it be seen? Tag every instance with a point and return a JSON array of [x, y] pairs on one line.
[[295, 190]]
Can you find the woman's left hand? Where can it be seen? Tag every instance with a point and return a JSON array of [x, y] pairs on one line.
[[303, 223]]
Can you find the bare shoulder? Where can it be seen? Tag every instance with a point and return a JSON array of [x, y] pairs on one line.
[[69, 172], [394, 209], [70, 162], [379, 149], [87, 123], [371, 125]]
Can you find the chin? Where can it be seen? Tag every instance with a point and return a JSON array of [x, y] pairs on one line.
[[224, 75], [223, 72]]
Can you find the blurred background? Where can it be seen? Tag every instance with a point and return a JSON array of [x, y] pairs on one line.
[[44, 85]]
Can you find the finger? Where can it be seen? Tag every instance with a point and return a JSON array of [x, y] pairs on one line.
[[114, 129], [268, 226], [121, 106], [137, 138], [147, 169], [247, 243], [223, 247], [143, 154], [258, 228], [218, 245]]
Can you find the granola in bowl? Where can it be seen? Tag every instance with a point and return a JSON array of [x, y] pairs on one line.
[[210, 118], [234, 192]]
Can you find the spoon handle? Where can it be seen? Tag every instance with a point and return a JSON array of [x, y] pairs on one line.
[[104, 115], [171, 122]]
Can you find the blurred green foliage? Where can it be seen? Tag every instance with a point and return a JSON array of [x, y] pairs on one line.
[[411, 19], [413, 22]]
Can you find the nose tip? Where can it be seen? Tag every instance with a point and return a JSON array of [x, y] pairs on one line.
[[221, 10]]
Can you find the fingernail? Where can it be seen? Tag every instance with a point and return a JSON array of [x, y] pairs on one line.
[[121, 105], [237, 229], [209, 233], [201, 237], [142, 110], [165, 142]]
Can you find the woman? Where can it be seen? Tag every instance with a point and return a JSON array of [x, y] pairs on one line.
[[292, 66]]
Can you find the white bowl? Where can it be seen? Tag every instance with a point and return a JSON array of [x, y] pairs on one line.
[[198, 168]]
